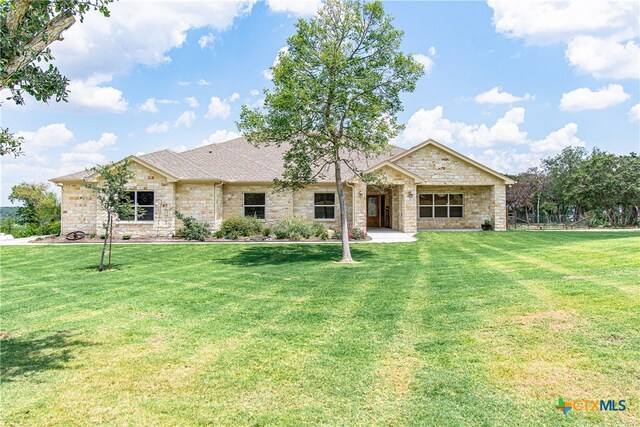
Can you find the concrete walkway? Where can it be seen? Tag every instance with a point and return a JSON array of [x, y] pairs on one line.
[[386, 235]]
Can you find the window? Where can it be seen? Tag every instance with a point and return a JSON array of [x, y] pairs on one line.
[[143, 202], [440, 205], [324, 205], [254, 205]]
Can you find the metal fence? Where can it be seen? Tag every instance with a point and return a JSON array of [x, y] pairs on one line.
[[549, 222]]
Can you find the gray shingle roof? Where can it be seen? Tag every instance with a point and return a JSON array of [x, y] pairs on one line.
[[233, 161]]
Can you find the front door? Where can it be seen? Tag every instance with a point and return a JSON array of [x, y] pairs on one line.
[[373, 211]]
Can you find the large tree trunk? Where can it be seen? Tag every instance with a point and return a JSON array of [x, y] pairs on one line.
[[51, 33], [346, 251], [104, 245]]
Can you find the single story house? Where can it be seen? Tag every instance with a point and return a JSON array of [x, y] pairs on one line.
[[429, 186]]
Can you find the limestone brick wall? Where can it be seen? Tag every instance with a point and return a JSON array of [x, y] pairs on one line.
[[78, 206], [278, 204], [499, 205], [303, 203], [202, 201], [164, 223], [282, 204], [438, 167], [477, 207]]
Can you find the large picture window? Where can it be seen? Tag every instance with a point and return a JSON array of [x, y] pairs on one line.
[[254, 205], [143, 205], [441, 205], [324, 205]]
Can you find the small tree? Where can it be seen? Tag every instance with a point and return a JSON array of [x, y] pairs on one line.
[[335, 97], [39, 205], [112, 197]]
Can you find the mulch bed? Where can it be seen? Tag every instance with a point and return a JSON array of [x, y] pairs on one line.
[[62, 239]]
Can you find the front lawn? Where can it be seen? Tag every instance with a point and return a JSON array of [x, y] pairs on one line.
[[456, 329]]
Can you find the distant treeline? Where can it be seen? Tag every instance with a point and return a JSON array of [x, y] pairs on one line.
[[8, 211], [576, 184]]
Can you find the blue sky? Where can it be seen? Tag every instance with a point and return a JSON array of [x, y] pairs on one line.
[[508, 82]]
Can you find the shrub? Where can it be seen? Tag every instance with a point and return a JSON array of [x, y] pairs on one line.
[[219, 234], [126, 237], [266, 231], [52, 228], [289, 228], [354, 234], [318, 229], [241, 226], [92, 235], [192, 229], [9, 226]]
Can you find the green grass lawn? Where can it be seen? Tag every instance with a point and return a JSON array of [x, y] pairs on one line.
[[456, 329]]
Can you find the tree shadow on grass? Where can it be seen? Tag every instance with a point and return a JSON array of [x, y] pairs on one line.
[[22, 357], [289, 254]]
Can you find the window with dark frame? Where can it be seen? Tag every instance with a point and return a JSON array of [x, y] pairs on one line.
[[441, 205], [324, 205], [143, 205], [254, 205]]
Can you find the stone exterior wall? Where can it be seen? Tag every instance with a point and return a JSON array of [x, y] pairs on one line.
[[78, 206], [202, 201], [303, 203], [164, 223], [477, 207], [438, 167], [484, 198], [283, 204]]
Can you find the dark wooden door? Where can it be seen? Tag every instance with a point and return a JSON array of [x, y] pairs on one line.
[[373, 211]]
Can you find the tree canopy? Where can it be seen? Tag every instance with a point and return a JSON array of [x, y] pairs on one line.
[[575, 181], [336, 95], [27, 29]]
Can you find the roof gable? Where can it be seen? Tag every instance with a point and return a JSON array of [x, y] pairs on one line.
[[430, 142]]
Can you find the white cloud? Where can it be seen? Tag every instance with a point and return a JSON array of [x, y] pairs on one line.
[[268, 74], [426, 62], [203, 82], [426, 124], [192, 102], [183, 83], [206, 40], [510, 160], [157, 128], [149, 106], [432, 51], [634, 113], [185, 119], [507, 160], [558, 140], [220, 136], [551, 21], [88, 93], [254, 92], [585, 99], [138, 32], [89, 153], [605, 58], [497, 96], [49, 136], [219, 108], [599, 34], [294, 7]]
